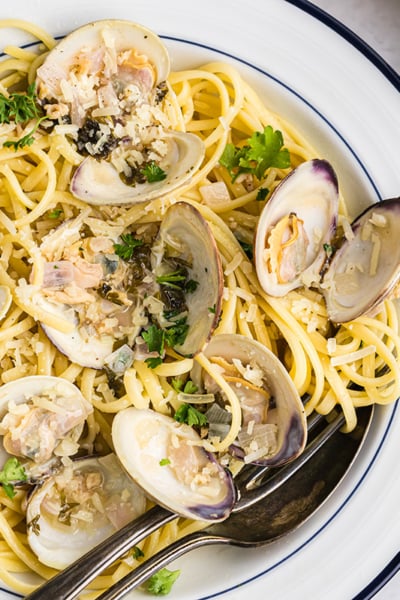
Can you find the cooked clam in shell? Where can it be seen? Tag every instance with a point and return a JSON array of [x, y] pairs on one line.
[[294, 226], [42, 419], [78, 507], [273, 424], [366, 268], [103, 86], [167, 460]]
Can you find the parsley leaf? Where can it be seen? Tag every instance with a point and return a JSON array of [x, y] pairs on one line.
[[188, 388], [153, 361], [190, 415], [176, 335], [127, 248], [161, 582], [137, 552], [263, 150], [171, 279], [262, 194], [154, 338], [55, 213], [164, 462], [153, 172], [26, 140], [11, 472]]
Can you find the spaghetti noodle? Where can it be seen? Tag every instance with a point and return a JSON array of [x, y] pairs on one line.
[[353, 365]]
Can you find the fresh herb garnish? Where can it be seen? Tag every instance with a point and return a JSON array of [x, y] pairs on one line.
[[26, 140], [137, 552], [160, 584], [127, 248], [191, 286], [19, 107], [55, 213], [171, 279], [164, 462], [157, 339], [247, 249], [328, 250], [262, 194], [153, 361], [212, 309], [263, 150], [153, 172], [11, 472], [187, 387], [154, 338], [190, 415]]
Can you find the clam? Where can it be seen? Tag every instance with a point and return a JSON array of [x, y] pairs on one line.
[[78, 507], [103, 86], [168, 461], [296, 223], [273, 429], [366, 267], [185, 242], [42, 418]]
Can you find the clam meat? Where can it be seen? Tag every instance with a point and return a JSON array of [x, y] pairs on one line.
[[104, 87], [366, 267], [168, 460], [273, 425], [41, 421], [104, 288], [78, 507], [297, 222]]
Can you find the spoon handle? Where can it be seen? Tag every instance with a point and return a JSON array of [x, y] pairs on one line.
[[160, 560], [69, 582]]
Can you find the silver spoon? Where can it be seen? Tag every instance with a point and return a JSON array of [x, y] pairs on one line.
[[271, 503], [280, 512]]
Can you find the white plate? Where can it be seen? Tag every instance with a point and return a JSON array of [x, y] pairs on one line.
[[344, 99]]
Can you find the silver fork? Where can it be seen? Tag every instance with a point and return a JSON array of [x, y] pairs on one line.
[[251, 490]]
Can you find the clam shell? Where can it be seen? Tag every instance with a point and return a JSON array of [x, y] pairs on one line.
[[288, 411], [57, 543], [311, 193], [366, 268], [143, 440], [184, 227]]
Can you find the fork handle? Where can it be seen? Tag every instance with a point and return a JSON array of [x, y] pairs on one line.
[[67, 584], [160, 560]]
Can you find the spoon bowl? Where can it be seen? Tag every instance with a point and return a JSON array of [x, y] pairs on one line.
[[277, 514]]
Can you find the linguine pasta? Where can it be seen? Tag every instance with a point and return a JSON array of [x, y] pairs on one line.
[[347, 367]]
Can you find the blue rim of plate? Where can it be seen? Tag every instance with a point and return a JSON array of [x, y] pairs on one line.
[[394, 565]]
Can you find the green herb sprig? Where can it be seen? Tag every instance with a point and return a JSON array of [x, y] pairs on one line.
[[264, 149], [127, 246], [12, 472]]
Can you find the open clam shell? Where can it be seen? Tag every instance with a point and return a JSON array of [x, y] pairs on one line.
[[42, 418], [366, 268], [260, 371], [103, 85], [167, 460], [295, 224], [78, 507], [185, 236]]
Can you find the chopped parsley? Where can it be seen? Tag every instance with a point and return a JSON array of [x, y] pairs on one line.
[[187, 387], [11, 472], [160, 584], [171, 279], [212, 309], [126, 249], [263, 150], [164, 462], [153, 172], [247, 249], [20, 108], [262, 194], [137, 552], [55, 213], [328, 250], [157, 339], [190, 415]]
